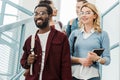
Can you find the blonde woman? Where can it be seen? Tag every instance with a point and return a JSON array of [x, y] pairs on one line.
[[90, 36]]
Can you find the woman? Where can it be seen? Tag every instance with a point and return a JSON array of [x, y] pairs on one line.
[[90, 36]]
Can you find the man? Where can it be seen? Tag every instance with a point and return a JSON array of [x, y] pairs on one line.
[[52, 54], [53, 23], [73, 24]]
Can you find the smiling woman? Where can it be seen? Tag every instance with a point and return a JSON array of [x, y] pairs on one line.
[[89, 37], [109, 12]]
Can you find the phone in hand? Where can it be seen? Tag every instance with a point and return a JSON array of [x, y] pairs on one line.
[[98, 51]]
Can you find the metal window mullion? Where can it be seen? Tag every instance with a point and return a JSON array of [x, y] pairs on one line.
[[2, 12], [20, 8], [22, 36]]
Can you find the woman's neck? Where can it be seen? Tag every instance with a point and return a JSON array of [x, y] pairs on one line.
[[88, 27]]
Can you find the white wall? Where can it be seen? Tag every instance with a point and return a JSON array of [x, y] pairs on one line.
[[28, 4], [57, 5], [111, 24], [68, 10]]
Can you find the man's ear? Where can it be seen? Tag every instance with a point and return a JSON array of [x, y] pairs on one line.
[[50, 16]]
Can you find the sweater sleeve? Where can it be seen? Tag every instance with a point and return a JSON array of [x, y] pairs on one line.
[[106, 46]]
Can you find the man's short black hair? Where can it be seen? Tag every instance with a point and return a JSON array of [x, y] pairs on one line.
[[49, 9], [45, 1], [84, 1]]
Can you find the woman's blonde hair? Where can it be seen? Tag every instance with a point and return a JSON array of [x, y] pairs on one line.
[[96, 23]]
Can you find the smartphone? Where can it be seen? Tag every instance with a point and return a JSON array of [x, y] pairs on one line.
[[98, 51]]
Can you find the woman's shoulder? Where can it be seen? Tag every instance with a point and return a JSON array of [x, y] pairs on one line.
[[104, 32], [75, 32], [104, 35]]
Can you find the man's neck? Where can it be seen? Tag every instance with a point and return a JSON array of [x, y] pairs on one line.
[[41, 31]]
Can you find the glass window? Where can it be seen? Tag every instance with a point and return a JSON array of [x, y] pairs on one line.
[[4, 58], [8, 45], [14, 1], [10, 10], [113, 68], [67, 10], [104, 4], [9, 19], [0, 5], [111, 24]]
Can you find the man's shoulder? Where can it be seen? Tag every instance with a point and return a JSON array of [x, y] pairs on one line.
[[72, 20], [28, 39], [60, 35], [60, 24]]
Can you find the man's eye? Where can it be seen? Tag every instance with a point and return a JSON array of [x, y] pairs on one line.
[[40, 13], [43, 13]]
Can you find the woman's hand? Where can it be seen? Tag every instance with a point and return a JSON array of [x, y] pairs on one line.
[[86, 62], [93, 56]]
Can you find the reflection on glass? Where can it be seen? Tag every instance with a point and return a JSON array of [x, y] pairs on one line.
[[14, 1], [104, 4], [0, 5], [10, 10], [9, 19]]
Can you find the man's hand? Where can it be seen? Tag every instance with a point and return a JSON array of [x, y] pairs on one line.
[[31, 59]]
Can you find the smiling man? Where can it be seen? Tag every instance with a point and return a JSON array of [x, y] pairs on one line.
[[52, 54]]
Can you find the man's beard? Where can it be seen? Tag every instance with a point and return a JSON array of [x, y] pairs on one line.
[[44, 25]]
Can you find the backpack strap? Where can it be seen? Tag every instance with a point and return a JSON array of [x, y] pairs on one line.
[[70, 25], [75, 37], [71, 22], [32, 51], [60, 24], [32, 43]]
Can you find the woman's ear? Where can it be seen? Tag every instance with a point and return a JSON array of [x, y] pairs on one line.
[[95, 16]]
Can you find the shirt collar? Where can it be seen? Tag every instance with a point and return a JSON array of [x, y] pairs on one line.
[[91, 31]]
